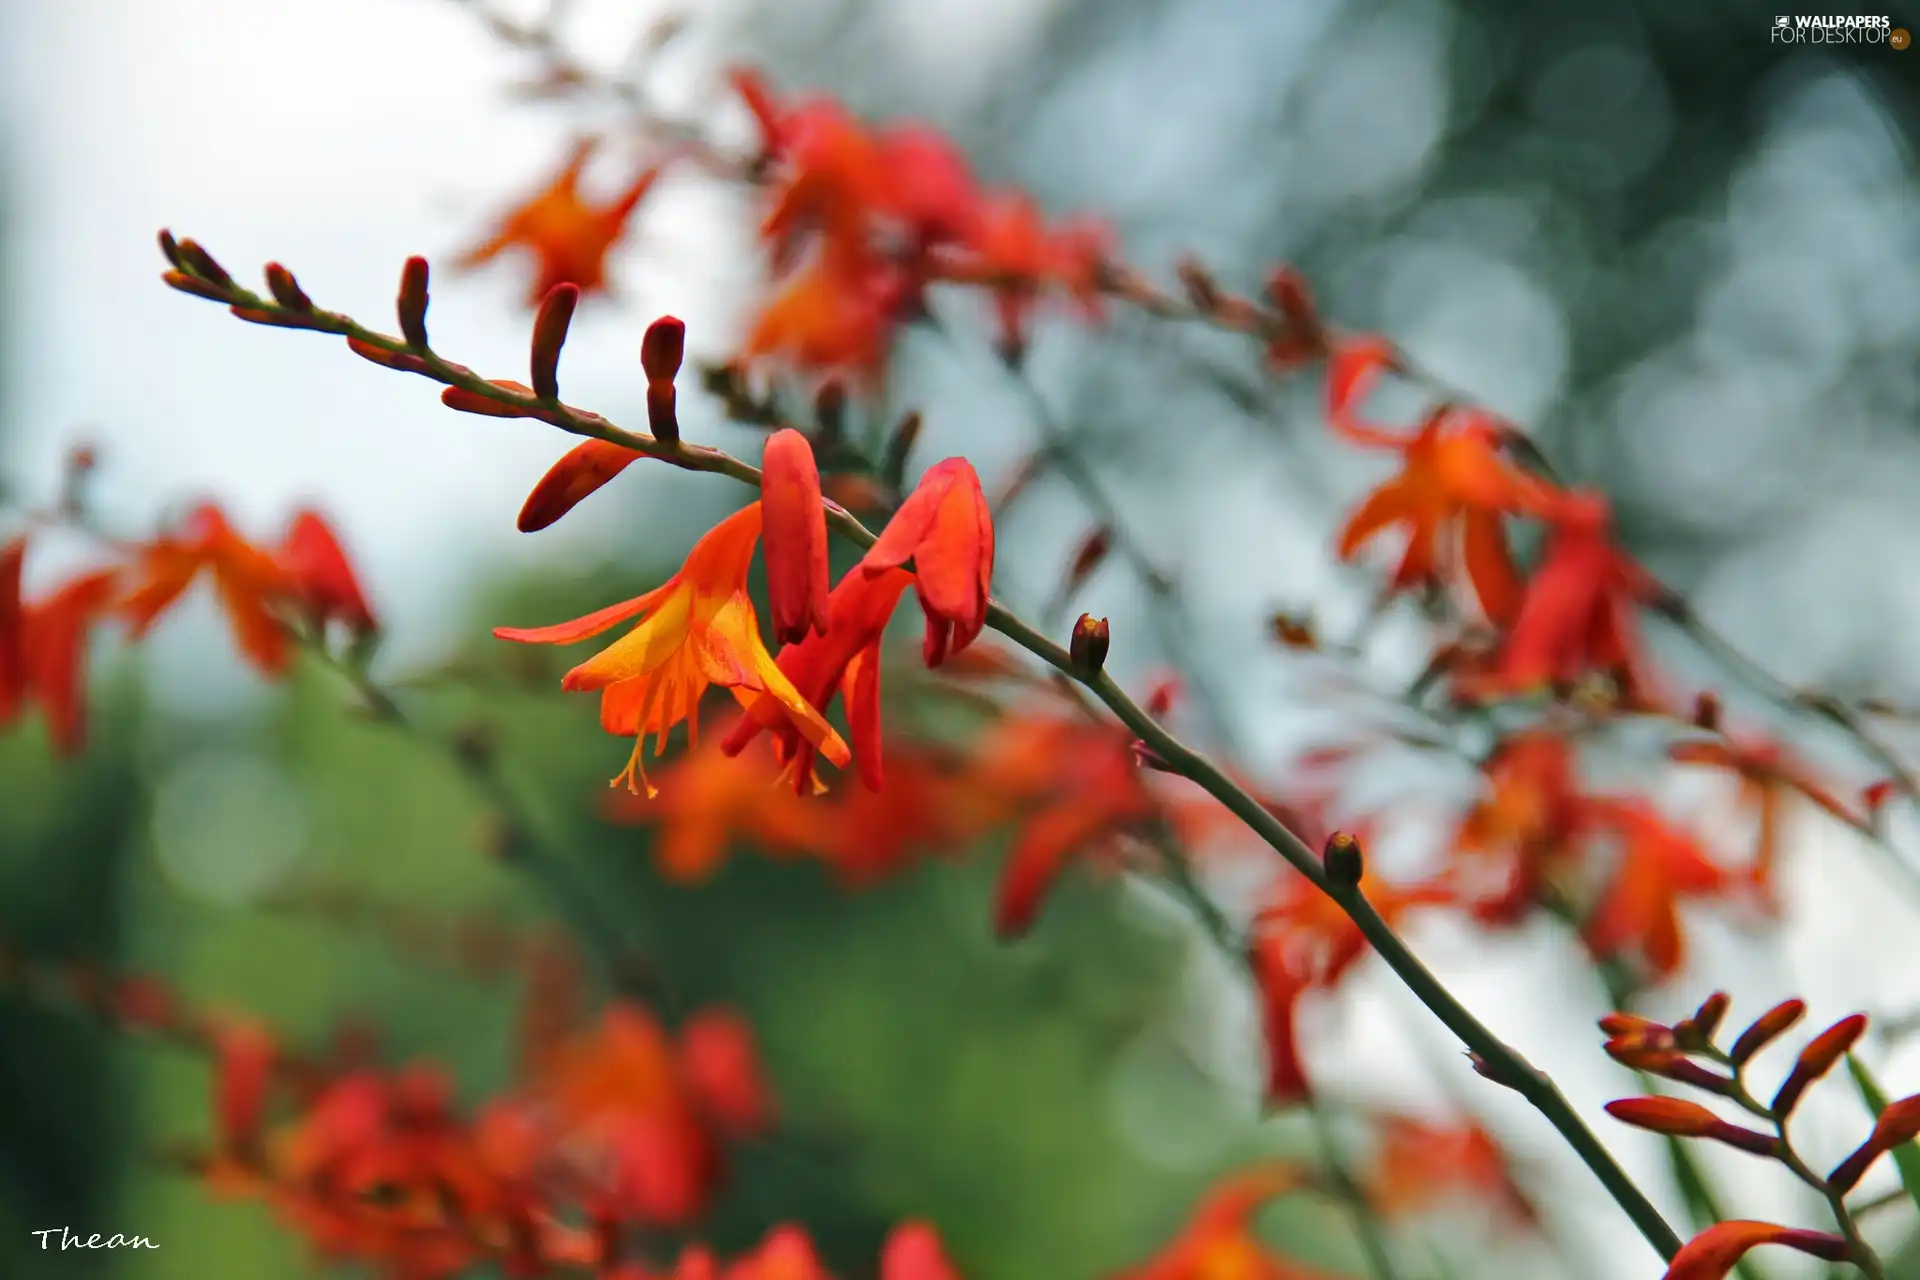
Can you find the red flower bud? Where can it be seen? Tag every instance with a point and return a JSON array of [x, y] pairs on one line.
[[663, 348], [411, 302], [549, 335], [1817, 1059], [1088, 649], [1682, 1119], [1766, 1028]]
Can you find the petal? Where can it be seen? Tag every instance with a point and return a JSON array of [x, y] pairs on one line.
[[590, 625], [1389, 504], [642, 650], [734, 636], [860, 692], [1037, 858], [583, 469], [794, 536], [322, 575], [1490, 567], [1352, 369], [898, 541]]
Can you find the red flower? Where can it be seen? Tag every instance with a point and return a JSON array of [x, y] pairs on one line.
[[1525, 825], [43, 647], [249, 582], [945, 528], [1420, 1166], [1766, 774], [323, 583], [1304, 941], [913, 1252], [846, 658], [1660, 867], [1577, 613]]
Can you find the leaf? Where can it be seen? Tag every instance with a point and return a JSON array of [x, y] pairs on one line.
[[1906, 1156]]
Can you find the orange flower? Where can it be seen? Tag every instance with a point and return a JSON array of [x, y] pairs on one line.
[[835, 313], [712, 801], [323, 583], [847, 658], [1304, 941], [945, 528], [796, 537], [1218, 1242], [1766, 774], [1576, 615], [1639, 911], [1453, 482], [569, 237], [1075, 786], [930, 804], [43, 647], [1715, 1252], [620, 1100], [1420, 1166], [695, 630], [249, 582], [1525, 824]]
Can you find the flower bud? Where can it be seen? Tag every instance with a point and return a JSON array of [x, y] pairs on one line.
[[411, 302], [197, 260], [1817, 1059], [662, 350], [1343, 859], [549, 335], [1679, 1118], [1766, 1028], [830, 409], [286, 290], [1695, 1034], [1089, 646]]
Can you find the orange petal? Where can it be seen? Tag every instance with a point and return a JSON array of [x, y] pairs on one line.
[[590, 625], [1387, 505]]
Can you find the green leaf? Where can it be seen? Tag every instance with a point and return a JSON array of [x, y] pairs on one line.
[[1906, 1156]]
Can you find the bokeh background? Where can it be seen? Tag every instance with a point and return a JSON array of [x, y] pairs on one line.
[[1687, 258]]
